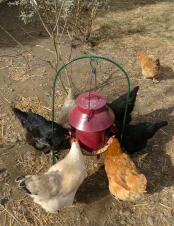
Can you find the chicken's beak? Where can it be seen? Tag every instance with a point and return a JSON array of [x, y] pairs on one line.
[[73, 140]]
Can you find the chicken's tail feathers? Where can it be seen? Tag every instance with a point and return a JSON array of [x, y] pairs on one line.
[[158, 125], [20, 178], [132, 99], [70, 95], [133, 93], [22, 116], [153, 128], [70, 92], [21, 184], [158, 62]]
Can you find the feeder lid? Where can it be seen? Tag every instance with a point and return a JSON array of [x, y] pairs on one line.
[[97, 101], [100, 114]]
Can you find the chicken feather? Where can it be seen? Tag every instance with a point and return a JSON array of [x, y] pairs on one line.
[[68, 105], [39, 130], [125, 182], [150, 65], [118, 106], [57, 187]]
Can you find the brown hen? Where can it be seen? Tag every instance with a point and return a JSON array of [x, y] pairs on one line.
[[125, 182], [150, 66]]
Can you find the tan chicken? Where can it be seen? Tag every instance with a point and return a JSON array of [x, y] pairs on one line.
[[68, 105], [125, 182], [58, 186], [150, 66]]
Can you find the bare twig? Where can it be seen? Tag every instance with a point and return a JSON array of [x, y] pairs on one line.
[[62, 31], [43, 23], [25, 32], [168, 207], [58, 16], [60, 53], [11, 36], [90, 22], [56, 50]]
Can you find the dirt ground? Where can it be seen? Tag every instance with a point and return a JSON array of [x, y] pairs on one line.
[[26, 81]]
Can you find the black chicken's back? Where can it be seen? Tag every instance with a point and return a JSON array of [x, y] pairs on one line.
[[136, 136], [118, 106], [39, 130]]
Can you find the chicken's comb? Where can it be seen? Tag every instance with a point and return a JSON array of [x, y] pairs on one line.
[[139, 55], [111, 139], [73, 139]]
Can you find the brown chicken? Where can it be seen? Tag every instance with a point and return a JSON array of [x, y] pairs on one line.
[[125, 182], [150, 66]]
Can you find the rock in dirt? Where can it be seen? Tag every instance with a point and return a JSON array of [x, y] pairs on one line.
[[126, 213], [122, 222]]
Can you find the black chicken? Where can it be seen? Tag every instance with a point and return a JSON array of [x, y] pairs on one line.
[[39, 130], [135, 137], [118, 106]]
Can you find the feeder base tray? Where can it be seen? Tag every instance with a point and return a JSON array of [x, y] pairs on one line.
[[97, 152]]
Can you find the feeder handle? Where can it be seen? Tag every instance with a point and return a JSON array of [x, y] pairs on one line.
[[93, 58], [93, 74], [92, 66], [93, 71]]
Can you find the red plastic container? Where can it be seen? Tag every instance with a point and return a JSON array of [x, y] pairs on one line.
[[91, 117]]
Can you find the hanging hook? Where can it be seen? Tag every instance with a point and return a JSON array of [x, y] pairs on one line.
[[92, 66]]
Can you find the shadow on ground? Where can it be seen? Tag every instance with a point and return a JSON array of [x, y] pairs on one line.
[[166, 73], [156, 166]]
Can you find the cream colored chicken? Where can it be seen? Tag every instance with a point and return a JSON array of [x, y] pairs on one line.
[[58, 186]]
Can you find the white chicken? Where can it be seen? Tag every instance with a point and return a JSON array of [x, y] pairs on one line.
[[58, 186], [68, 105]]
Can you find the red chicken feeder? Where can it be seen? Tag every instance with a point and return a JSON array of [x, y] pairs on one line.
[[91, 117]]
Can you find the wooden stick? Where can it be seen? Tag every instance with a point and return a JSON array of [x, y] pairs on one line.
[[168, 207]]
